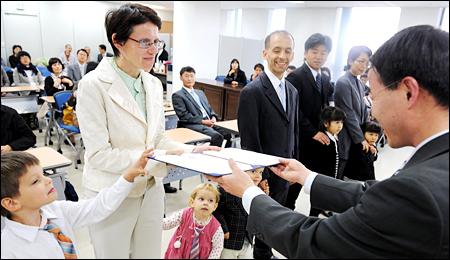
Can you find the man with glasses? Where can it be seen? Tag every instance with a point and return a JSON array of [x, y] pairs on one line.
[[404, 216], [120, 113]]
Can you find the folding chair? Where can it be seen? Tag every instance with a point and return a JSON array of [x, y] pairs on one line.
[[64, 130]]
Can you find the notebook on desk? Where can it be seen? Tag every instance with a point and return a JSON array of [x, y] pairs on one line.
[[215, 163]]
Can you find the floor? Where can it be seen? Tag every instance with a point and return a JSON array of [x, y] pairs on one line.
[[389, 160]]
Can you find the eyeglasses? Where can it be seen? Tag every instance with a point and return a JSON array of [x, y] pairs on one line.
[[147, 43]]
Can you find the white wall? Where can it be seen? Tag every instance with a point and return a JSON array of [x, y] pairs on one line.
[[254, 23], [415, 16], [57, 23], [195, 39]]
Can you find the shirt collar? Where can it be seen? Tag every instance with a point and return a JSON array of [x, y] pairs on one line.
[[334, 138], [27, 232], [424, 142], [274, 79], [190, 91], [313, 71]]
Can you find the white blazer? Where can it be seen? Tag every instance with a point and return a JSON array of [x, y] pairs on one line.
[[114, 130]]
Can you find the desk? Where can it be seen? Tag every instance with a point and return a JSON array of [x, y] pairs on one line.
[[232, 127], [187, 136], [22, 104], [20, 88], [52, 160], [223, 98], [49, 100]]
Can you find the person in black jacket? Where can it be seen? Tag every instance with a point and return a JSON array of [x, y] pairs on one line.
[[235, 75], [16, 135], [14, 59], [56, 81]]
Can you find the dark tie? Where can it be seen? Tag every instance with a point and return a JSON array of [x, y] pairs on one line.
[[319, 82]]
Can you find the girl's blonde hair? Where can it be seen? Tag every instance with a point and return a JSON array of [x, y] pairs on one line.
[[205, 186]]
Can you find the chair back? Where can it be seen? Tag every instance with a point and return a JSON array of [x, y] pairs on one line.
[[220, 78], [44, 71], [61, 98]]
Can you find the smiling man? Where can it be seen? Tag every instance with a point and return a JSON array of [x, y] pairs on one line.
[[267, 116]]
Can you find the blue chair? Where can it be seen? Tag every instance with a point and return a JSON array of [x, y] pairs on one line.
[[220, 78], [64, 130], [7, 69], [44, 71]]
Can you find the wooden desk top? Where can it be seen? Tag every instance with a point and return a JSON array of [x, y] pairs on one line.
[[219, 84], [185, 135], [20, 88], [229, 125], [49, 99], [49, 158]]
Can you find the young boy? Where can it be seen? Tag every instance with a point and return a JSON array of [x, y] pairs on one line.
[[233, 218], [326, 161], [37, 226], [361, 165]]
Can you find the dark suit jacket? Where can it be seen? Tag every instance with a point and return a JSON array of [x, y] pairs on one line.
[[240, 78], [350, 97], [326, 160], [311, 103], [50, 90], [233, 218], [187, 109], [100, 57], [403, 216], [265, 127], [14, 130]]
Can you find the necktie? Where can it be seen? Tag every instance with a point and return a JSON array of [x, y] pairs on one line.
[[195, 250], [282, 95], [199, 103], [319, 82], [64, 241]]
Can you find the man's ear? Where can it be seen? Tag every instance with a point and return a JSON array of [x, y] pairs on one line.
[[412, 90], [10, 204]]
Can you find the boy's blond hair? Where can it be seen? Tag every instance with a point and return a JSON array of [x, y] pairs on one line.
[[205, 186]]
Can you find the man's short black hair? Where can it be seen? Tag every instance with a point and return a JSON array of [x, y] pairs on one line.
[[318, 39], [14, 165], [372, 127], [121, 22], [420, 52], [186, 69], [329, 114], [258, 65], [83, 50], [102, 46]]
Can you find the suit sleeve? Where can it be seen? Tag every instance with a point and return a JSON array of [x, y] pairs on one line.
[[182, 112], [389, 220], [221, 210], [343, 100], [248, 120], [24, 137], [242, 78]]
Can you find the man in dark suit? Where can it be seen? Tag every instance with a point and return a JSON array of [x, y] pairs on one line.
[[102, 53], [405, 216], [76, 71], [268, 114], [194, 112], [313, 88]]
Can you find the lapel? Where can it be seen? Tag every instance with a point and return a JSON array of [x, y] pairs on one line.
[[360, 99], [271, 94], [118, 91], [77, 70], [311, 78], [188, 96], [433, 148]]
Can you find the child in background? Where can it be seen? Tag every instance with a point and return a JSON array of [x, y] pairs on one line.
[[37, 226], [233, 218], [327, 156], [264, 183], [361, 165], [199, 235]]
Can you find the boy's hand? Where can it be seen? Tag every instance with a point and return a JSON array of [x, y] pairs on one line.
[[226, 235], [138, 168]]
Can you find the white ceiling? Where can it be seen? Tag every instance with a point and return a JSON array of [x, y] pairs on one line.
[[168, 5]]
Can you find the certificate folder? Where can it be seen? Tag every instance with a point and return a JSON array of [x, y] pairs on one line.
[[215, 163]]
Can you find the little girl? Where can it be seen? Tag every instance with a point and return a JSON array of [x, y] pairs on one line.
[[199, 235]]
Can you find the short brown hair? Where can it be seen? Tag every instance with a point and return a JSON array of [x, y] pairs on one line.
[[205, 186], [14, 165], [121, 22]]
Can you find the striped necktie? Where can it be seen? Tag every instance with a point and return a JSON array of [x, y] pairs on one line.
[[64, 241], [319, 82], [195, 250]]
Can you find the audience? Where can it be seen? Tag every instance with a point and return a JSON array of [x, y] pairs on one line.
[[57, 81], [257, 69], [77, 70], [26, 73], [102, 53], [14, 58], [235, 75], [67, 58], [16, 135], [5, 79]]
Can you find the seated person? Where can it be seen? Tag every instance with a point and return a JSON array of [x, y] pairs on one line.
[[257, 69], [16, 134], [56, 81], [26, 73], [194, 111], [235, 75], [76, 71], [37, 226]]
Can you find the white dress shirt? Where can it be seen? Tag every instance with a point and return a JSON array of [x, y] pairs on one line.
[[276, 83], [23, 241]]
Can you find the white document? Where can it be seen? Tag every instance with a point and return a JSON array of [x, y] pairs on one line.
[[215, 163]]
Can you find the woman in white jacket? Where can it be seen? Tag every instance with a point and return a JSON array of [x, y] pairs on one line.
[[120, 113]]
